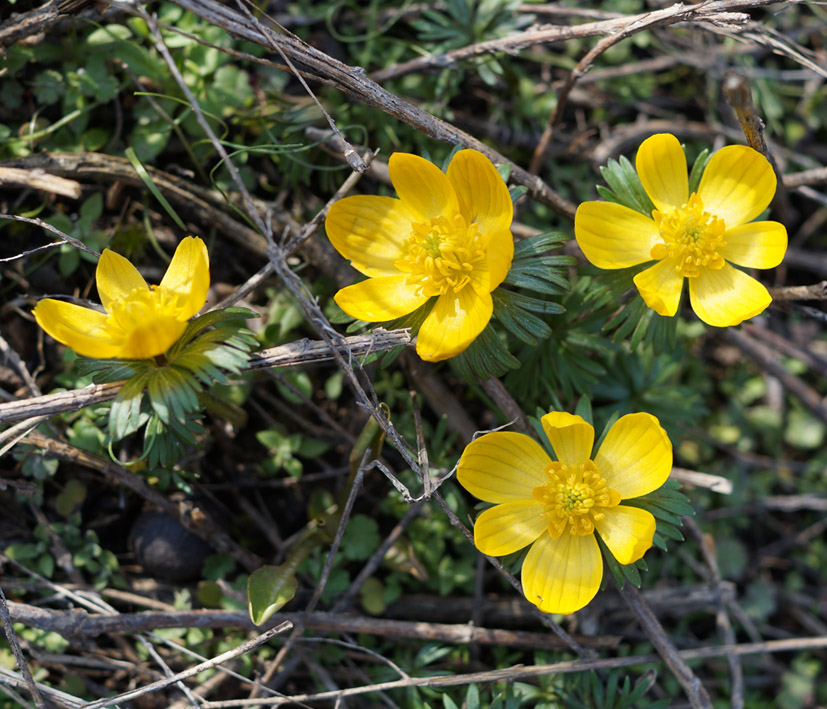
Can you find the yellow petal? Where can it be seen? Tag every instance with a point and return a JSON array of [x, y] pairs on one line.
[[507, 528], [737, 185], [116, 278], [82, 329], [562, 575], [756, 245], [627, 531], [502, 467], [422, 186], [188, 276], [380, 299], [500, 255], [152, 338], [372, 232], [727, 297], [614, 236], [661, 166], [453, 324], [636, 455], [660, 287], [571, 437], [482, 194]]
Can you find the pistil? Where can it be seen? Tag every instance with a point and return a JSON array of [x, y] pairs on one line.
[[691, 237], [574, 497], [443, 253]]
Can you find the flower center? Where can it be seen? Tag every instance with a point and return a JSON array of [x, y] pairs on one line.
[[691, 236], [146, 321], [142, 305], [574, 496], [442, 254]]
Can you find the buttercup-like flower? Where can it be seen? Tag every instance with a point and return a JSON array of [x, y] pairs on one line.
[[448, 235], [140, 321], [692, 236], [557, 506]]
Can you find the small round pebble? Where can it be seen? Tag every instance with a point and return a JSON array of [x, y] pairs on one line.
[[165, 548]]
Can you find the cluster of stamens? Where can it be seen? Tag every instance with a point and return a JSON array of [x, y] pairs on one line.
[[574, 496], [691, 236], [442, 254]]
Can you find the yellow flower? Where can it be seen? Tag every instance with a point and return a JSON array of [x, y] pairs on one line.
[[140, 321], [692, 236], [448, 236], [556, 506]]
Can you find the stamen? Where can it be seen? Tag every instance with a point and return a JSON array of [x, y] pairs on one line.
[[691, 236], [574, 497], [443, 252]]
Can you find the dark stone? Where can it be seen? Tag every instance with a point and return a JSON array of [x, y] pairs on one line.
[[165, 548]]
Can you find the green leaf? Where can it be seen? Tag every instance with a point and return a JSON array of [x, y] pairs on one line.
[[533, 269], [509, 309], [48, 86], [211, 319], [125, 413], [372, 596], [668, 530], [625, 186], [95, 80], [517, 191], [361, 538], [631, 573], [486, 357], [268, 589], [152, 187], [584, 409], [108, 35], [71, 498], [698, 168], [111, 370]]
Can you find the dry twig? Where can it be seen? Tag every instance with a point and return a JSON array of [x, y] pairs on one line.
[[521, 672], [22, 665], [300, 352]]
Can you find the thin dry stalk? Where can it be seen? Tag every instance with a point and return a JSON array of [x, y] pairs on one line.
[[293, 354], [521, 672], [737, 91], [736, 692], [36, 179], [817, 291], [725, 12], [22, 665], [76, 624], [698, 697], [643, 22], [351, 81], [326, 569], [242, 649]]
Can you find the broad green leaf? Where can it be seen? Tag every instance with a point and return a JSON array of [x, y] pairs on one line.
[[268, 589]]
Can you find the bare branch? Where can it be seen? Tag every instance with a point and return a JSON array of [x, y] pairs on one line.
[[300, 352], [191, 671]]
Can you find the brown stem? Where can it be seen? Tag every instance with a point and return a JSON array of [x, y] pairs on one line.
[[698, 697]]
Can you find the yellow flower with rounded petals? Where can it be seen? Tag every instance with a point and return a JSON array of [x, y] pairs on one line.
[[558, 506], [448, 236], [692, 236], [140, 321]]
